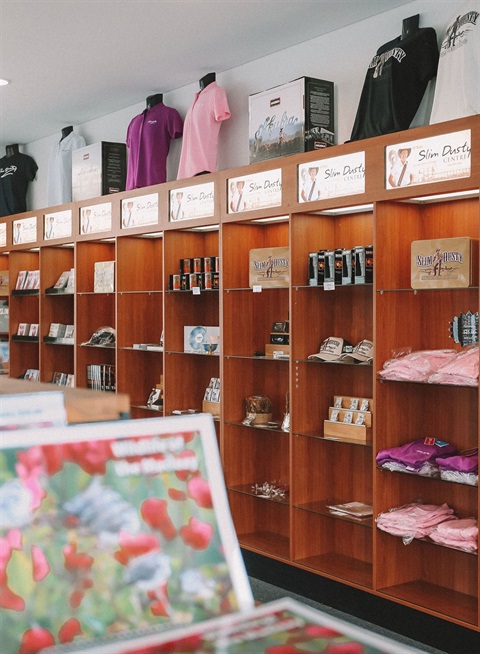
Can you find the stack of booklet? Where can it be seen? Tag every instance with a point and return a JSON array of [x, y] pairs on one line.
[[355, 510]]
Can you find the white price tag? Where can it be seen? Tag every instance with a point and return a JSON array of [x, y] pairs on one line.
[[257, 288], [329, 286], [196, 290]]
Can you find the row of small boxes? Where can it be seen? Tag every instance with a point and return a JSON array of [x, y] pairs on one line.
[[341, 267], [196, 272], [185, 282], [349, 419]]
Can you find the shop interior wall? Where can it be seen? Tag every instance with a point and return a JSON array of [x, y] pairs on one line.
[[341, 56]]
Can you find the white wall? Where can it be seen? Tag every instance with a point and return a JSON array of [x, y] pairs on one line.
[[341, 56]]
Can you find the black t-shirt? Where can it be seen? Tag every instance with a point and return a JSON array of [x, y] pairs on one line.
[[15, 174], [395, 84]]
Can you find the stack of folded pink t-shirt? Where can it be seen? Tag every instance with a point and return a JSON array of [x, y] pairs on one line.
[[460, 534], [461, 468], [462, 370], [420, 457], [414, 520], [416, 366]]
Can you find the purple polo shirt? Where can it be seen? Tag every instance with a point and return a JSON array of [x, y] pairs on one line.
[[148, 141]]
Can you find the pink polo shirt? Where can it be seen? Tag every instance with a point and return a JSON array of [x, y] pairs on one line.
[[148, 141], [201, 130]]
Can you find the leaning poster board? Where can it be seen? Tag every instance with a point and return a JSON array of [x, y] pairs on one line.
[[113, 530], [284, 625]]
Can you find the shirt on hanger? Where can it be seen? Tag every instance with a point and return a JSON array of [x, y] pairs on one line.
[[148, 141], [201, 130], [59, 179], [15, 174], [395, 84], [457, 90]]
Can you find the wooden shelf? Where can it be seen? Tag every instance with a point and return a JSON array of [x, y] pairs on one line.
[[340, 567], [265, 542], [299, 529], [436, 599]]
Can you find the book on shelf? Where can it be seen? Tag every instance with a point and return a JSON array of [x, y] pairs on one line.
[[104, 277], [127, 522], [23, 328], [4, 316], [70, 383], [4, 358], [57, 330], [71, 281], [101, 377], [4, 283], [32, 374], [32, 280], [33, 329], [59, 378], [152, 347], [69, 331], [21, 278], [358, 510], [62, 281]]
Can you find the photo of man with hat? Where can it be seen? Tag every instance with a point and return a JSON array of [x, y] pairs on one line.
[[400, 174]]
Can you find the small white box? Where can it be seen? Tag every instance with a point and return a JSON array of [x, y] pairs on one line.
[[291, 118]]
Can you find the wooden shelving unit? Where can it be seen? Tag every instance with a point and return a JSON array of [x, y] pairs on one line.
[[314, 471]]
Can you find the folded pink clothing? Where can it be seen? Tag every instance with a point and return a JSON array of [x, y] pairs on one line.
[[469, 545], [416, 366], [462, 369], [404, 531], [415, 519], [464, 528]]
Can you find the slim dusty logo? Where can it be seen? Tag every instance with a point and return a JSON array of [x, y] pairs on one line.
[[441, 257], [9, 170], [447, 264], [270, 262], [457, 33], [379, 61]]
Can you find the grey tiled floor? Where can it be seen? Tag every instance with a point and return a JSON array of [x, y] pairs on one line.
[[264, 592]]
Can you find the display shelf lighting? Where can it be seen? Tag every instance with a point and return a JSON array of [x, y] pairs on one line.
[[204, 228], [343, 210], [275, 219], [455, 195]]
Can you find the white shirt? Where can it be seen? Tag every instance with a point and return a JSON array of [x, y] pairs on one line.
[[59, 180], [457, 91]]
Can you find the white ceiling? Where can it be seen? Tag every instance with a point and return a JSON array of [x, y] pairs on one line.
[[73, 61]]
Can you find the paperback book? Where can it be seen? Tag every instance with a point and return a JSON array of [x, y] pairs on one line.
[[104, 277], [113, 531]]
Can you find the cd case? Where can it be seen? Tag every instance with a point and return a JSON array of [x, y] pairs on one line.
[[199, 339]]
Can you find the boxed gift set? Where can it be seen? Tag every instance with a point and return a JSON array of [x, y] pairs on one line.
[[98, 169], [291, 118], [444, 263]]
